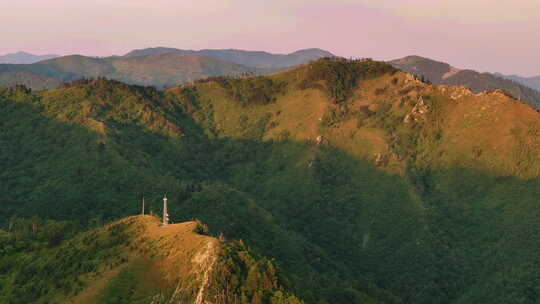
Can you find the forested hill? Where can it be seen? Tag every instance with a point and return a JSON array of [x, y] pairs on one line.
[[365, 184]]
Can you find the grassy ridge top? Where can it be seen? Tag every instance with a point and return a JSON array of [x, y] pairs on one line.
[[133, 260]]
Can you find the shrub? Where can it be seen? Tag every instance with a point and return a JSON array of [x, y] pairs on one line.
[[201, 228]]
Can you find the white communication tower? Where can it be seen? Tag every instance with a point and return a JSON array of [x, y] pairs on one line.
[[165, 213]]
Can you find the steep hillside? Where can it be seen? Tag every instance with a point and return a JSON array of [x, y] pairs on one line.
[[157, 70], [24, 58], [443, 73], [365, 184], [255, 59], [134, 260]]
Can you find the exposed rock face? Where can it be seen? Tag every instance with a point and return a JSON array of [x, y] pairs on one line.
[[417, 112], [206, 261], [412, 78]]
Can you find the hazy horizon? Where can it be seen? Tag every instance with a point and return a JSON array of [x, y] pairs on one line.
[[467, 34]]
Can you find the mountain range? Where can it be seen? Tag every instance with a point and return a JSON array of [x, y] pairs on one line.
[[159, 67], [347, 181]]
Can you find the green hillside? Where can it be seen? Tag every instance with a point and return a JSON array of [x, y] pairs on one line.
[[365, 184]]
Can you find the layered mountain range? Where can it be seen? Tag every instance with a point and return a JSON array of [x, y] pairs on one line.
[[360, 183], [163, 67], [159, 67]]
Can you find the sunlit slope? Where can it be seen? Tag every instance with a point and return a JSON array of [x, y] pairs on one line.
[[391, 118], [159, 261]]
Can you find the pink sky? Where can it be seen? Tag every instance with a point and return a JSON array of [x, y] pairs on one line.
[[486, 35]]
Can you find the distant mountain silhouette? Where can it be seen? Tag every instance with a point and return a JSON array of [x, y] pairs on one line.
[[157, 70], [159, 67], [24, 58], [531, 82], [256, 59]]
